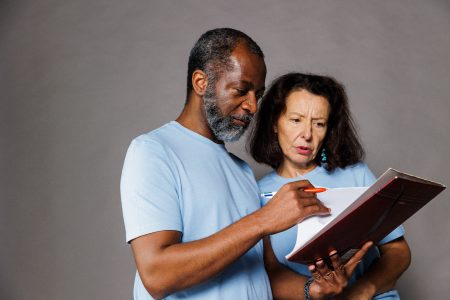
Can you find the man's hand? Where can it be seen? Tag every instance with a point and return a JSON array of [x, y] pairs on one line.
[[331, 282], [289, 206]]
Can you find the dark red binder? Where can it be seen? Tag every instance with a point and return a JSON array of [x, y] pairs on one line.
[[384, 206]]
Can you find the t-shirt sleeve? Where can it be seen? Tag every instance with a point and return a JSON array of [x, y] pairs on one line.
[[148, 187], [369, 178], [397, 233]]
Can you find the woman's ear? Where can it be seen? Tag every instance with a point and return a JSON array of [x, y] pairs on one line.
[[199, 82], [275, 128]]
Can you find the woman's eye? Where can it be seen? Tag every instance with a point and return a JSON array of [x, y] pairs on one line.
[[321, 125], [295, 120]]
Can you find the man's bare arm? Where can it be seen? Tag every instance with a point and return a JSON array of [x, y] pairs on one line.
[[166, 265]]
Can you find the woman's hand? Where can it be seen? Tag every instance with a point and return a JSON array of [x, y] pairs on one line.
[[331, 282], [383, 274]]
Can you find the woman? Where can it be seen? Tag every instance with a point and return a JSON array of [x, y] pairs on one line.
[[304, 131]]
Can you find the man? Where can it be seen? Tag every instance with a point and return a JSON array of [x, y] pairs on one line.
[[191, 209]]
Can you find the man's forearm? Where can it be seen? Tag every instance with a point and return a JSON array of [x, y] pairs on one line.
[[166, 265], [177, 266]]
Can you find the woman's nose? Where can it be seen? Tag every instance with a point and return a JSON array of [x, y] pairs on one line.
[[307, 131]]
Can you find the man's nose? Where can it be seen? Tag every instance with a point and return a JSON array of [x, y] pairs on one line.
[[250, 103]]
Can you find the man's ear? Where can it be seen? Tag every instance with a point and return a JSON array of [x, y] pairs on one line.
[[199, 82]]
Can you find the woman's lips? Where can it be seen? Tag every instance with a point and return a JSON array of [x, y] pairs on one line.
[[303, 150]]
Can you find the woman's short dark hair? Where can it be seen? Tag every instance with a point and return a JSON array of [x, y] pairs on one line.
[[341, 143]]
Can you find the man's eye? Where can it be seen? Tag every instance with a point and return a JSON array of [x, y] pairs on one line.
[[241, 92]]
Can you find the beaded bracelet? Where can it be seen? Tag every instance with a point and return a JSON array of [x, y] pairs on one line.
[[306, 287]]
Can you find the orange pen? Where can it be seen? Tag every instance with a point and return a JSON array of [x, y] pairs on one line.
[[315, 190]]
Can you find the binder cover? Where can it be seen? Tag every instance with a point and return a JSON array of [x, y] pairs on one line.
[[384, 206]]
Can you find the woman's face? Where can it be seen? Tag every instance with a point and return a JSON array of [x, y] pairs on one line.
[[301, 129]]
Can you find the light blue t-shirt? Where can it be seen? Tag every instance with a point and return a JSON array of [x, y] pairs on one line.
[[176, 179], [357, 175]]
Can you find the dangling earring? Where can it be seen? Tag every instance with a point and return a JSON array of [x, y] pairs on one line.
[[323, 156]]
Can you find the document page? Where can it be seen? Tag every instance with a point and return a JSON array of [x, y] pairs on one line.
[[337, 199]]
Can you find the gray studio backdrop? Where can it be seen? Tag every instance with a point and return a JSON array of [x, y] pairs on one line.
[[80, 79]]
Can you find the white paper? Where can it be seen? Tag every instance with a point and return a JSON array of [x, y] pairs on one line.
[[337, 199]]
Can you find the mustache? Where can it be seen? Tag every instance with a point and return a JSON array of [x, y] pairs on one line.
[[244, 118]]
